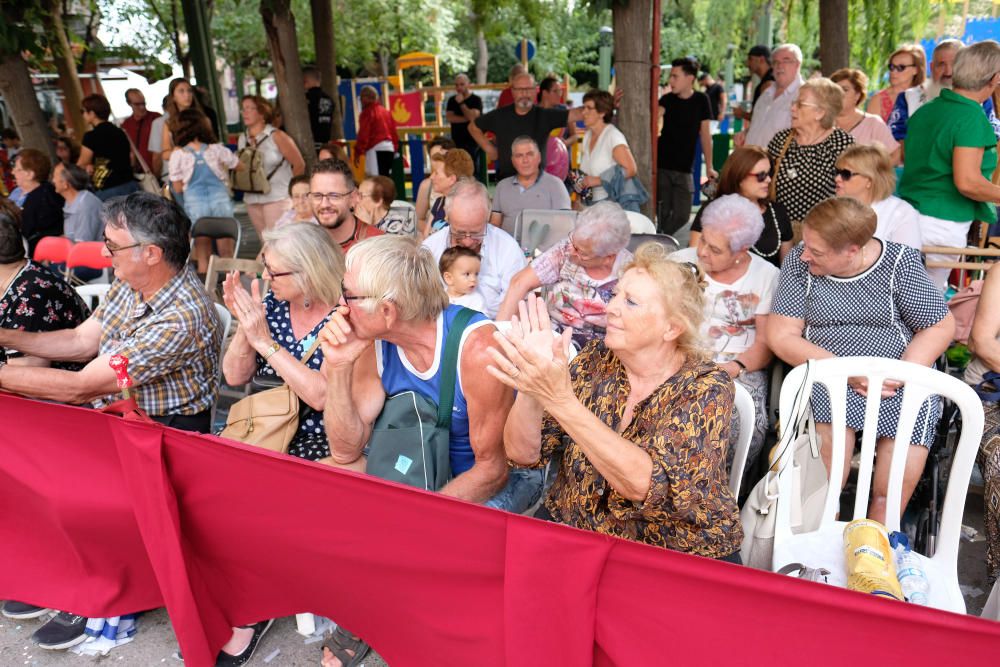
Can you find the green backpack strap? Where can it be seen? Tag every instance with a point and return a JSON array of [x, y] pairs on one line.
[[449, 366]]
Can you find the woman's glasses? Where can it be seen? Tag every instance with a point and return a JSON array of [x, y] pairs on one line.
[[900, 68], [761, 176], [846, 174]]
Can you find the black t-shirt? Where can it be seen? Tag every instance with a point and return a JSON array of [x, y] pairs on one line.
[[508, 125], [715, 94], [460, 131], [320, 114], [777, 230], [112, 151], [42, 214], [681, 127], [760, 86]]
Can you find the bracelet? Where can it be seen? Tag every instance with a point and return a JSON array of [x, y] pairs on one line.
[[271, 351], [743, 367]]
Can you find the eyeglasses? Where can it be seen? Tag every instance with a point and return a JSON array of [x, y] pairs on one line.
[[461, 236], [348, 298], [900, 68], [576, 250], [846, 174], [113, 248], [761, 176], [319, 197], [271, 272]]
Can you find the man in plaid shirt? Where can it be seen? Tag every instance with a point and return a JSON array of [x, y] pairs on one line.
[[157, 314]]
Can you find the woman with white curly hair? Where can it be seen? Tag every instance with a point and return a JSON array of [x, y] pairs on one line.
[[740, 286]]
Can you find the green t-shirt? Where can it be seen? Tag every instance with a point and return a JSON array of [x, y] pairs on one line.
[[935, 131]]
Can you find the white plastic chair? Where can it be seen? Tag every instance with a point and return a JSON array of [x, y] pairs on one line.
[[823, 546], [747, 413], [640, 224], [227, 321], [89, 292], [540, 229], [668, 242]]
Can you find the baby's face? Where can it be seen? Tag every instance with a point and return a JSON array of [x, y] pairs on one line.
[[463, 276]]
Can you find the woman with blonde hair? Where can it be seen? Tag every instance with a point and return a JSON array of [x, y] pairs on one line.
[[641, 417], [907, 68], [866, 173]]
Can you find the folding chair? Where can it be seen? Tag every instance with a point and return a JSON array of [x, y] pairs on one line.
[[89, 254], [640, 224], [219, 266], [666, 240], [227, 320], [540, 229], [90, 293], [53, 249], [823, 545], [747, 412], [218, 228], [970, 260], [401, 219]]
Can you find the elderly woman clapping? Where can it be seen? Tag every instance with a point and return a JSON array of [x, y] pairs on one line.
[[737, 298], [804, 154], [578, 274], [641, 417]]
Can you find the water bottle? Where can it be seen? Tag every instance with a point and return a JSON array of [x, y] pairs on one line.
[[909, 571]]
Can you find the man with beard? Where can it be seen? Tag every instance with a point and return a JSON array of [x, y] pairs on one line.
[[334, 195], [467, 211], [523, 118]]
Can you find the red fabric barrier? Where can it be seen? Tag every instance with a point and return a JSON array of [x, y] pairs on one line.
[[111, 517]]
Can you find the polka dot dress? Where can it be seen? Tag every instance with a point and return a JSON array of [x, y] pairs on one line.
[[875, 313], [310, 442], [805, 176]]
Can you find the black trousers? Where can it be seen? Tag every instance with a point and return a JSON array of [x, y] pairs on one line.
[[199, 423]]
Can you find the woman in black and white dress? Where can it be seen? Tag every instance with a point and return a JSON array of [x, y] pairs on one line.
[[843, 292]]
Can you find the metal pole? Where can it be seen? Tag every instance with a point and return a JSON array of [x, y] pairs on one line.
[[203, 57]]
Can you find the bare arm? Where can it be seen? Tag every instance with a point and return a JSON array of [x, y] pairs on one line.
[[79, 344], [290, 152], [784, 336], [623, 156], [784, 249], [167, 142], [524, 281], [874, 105], [86, 157], [755, 357], [488, 147], [522, 434], [928, 344], [96, 379], [240, 362], [693, 239], [496, 218], [489, 403], [966, 165], [706, 149], [986, 325]]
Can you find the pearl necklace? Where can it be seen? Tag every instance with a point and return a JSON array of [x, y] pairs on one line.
[[777, 236]]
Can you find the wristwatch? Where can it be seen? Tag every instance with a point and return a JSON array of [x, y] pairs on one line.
[[274, 347], [743, 367]]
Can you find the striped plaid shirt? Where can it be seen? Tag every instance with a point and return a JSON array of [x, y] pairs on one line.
[[171, 341]]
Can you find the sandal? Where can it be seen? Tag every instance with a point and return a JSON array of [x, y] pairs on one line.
[[342, 642]]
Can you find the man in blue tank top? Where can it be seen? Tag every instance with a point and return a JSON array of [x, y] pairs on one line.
[[387, 337]]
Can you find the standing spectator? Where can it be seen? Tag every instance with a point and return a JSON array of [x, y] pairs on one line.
[[155, 146], [523, 118], [531, 188], [686, 114], [446, 170], [106, 153], [866, 173], [507, 94], [550, 96], [42, 213], [716, 95], [67, 150], [804, 155], [83, 209], [301, 210], [773, 109], [951, 155], [138, 127], [377, 137], [199, 169], [942, 62], [320, 107], [281, 161], [907, 66], [462, 108], [759, 64], [334, 196], [604, 146], [866, 128], [180, 97]]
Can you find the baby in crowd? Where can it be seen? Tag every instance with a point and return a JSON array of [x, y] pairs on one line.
[[460, 269]]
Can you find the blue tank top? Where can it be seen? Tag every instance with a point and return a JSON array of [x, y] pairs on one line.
[[398, 376]]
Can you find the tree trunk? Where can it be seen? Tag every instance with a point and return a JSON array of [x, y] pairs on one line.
[[483, 60], [69, 82], [282, 43], [16, 89], [326, 59], [633, 37], [834, 47]]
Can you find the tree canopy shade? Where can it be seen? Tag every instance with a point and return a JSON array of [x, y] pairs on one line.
[[17, 35]]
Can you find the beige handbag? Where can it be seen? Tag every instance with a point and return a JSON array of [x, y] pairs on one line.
[[267, 419]]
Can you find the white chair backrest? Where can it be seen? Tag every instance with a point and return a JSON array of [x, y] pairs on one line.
[[669, 243], [401, 219], [539, 229], [227, 322], [920, 383], [747, 413], [89, 292], [640, 224]]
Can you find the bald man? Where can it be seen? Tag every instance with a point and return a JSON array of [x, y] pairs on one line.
[[463, 107]]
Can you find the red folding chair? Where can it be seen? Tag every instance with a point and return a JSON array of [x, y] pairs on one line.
[[88, 254], [52, 249]]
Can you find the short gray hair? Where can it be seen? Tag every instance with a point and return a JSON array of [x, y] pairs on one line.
[[946, 45], [525, 139], [401, 270], [472, 192], [976, 65], [152, 220], [736, 217], [791, 48], [605, 225], [75, 177], [829, 98], [307, 250]]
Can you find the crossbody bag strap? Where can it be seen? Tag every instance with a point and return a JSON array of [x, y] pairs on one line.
[[773, 188], [449, 366]]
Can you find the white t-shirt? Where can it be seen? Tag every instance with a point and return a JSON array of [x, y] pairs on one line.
[[502, 258], [730, 326], [897, 221], [473, 300], [771, 115], [595, 162]]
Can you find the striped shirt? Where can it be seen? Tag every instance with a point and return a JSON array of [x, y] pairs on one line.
[[172, 343]]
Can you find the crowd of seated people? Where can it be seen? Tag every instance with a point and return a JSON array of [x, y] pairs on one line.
[[593, 385]]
